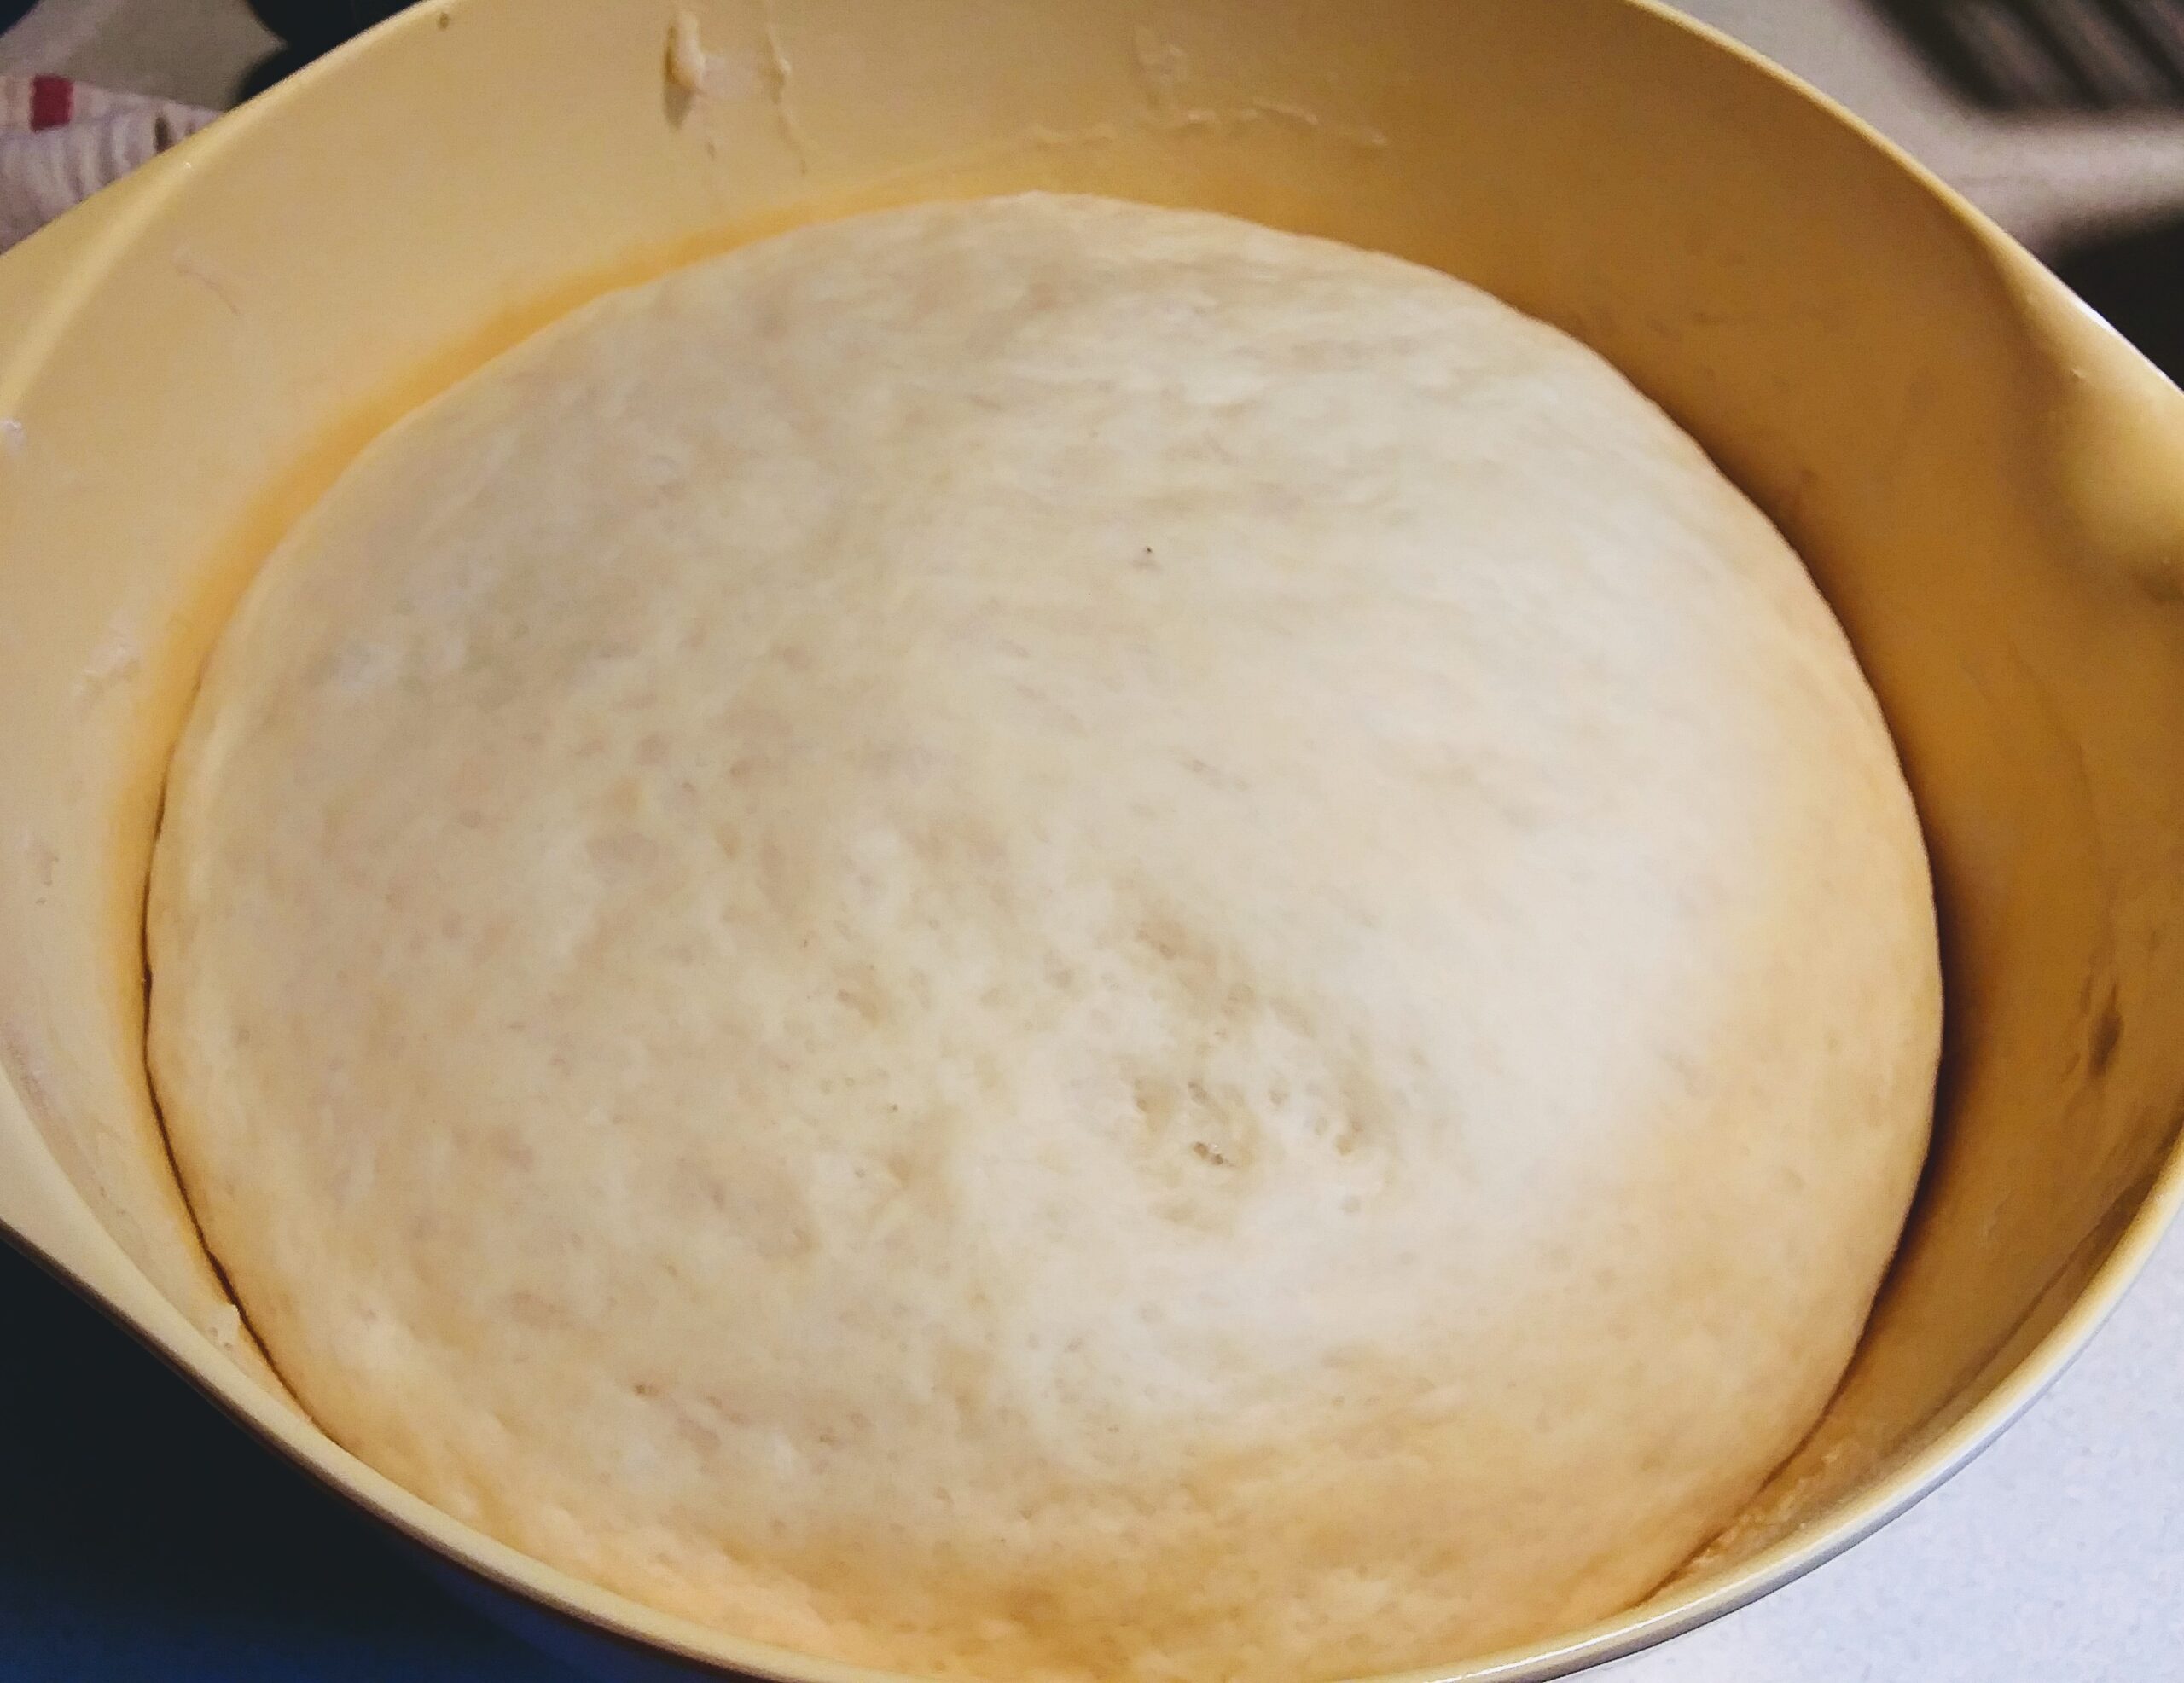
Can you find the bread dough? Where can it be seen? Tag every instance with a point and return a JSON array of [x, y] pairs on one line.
[[1045, 939]]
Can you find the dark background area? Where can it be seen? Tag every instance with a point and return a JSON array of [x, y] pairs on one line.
[[145, 1538], [2136, 278]]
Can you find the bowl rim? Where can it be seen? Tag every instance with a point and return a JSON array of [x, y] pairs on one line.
[[84, 246]]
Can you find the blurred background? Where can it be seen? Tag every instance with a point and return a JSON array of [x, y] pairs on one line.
[[2058, 1556]]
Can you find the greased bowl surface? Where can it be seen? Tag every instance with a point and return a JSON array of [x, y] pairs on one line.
[[1988, 485]]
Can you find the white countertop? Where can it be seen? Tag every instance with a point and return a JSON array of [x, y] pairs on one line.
[[2058, 1556]]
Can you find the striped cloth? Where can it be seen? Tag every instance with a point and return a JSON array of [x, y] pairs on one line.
[[60, 142]]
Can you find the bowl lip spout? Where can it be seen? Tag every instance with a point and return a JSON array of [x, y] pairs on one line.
[[42, 282]]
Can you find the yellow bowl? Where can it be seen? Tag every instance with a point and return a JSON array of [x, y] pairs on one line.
[[1989, 486]]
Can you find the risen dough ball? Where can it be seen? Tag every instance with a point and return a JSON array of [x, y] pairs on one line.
[[1043, 939]]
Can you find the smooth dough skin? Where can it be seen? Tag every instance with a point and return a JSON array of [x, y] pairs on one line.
[[1041, 939]]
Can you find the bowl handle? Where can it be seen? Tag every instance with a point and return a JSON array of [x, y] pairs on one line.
[[39, 275], [40, 279]]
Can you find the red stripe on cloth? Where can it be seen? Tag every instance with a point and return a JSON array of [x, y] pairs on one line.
[[52, 100]]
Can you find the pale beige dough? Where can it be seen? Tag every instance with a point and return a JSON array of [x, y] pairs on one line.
[[1043, 939]]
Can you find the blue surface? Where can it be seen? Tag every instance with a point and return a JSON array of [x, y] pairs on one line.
[[145, 1538]]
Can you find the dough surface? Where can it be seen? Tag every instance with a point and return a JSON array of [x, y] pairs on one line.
[[1048, 940]]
